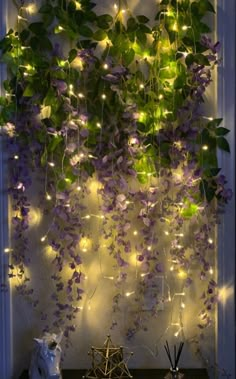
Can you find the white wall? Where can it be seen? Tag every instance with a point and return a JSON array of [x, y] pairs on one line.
[[226, 237]]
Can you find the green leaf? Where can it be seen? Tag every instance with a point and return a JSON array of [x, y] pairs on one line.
[[99, 35], [44, 157], [223, 144], [189, 210], [29, 91], [72, 55], [131, 25], [211, 172], [141, 36], [179, 82], [128, 57], [85, 31], [142, 19], [46, 8], [79, 17], [203, 28], [201, 60], [144, 29], [89, 168], [104, 21], [86, 44], [189, 59], [45, 112], [206, 6], [55, 141], [221, 131], [38, 28], [24, 35], [45, 44], [214, 123]]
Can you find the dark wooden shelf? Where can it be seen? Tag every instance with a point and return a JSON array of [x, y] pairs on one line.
[[137, 374]]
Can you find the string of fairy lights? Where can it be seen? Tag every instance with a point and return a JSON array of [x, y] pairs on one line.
[[175, 325]]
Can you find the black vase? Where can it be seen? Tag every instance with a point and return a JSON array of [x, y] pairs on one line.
[[174, 374]]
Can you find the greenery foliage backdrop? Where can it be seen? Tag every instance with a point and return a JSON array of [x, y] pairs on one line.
[[118, 99]]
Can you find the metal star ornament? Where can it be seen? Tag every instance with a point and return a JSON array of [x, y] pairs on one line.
[[108, 362]]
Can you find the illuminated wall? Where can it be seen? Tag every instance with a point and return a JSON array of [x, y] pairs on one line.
[[113, 287]]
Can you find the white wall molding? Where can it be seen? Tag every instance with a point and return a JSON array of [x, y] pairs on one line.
[[226, 232], [5, 295]]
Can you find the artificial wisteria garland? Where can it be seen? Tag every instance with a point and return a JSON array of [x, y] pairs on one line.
[[124, 105]]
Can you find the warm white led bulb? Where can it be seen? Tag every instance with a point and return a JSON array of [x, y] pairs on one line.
[[31, 8]]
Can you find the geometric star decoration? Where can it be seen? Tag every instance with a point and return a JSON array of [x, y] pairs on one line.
[[108, 362]]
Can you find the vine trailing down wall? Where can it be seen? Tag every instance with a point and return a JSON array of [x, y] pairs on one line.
[[121, 105]]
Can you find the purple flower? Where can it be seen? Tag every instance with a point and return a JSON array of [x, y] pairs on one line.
[[60, 85]]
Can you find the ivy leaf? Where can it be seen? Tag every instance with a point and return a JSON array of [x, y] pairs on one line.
[[223, 144], [142, 19], [221, 131], [99, 35]]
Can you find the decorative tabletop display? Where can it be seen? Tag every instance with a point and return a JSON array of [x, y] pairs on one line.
[[174, 370], [108, 361], [46, 357]]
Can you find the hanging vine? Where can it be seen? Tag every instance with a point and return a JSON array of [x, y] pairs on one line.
[[118, 98]]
